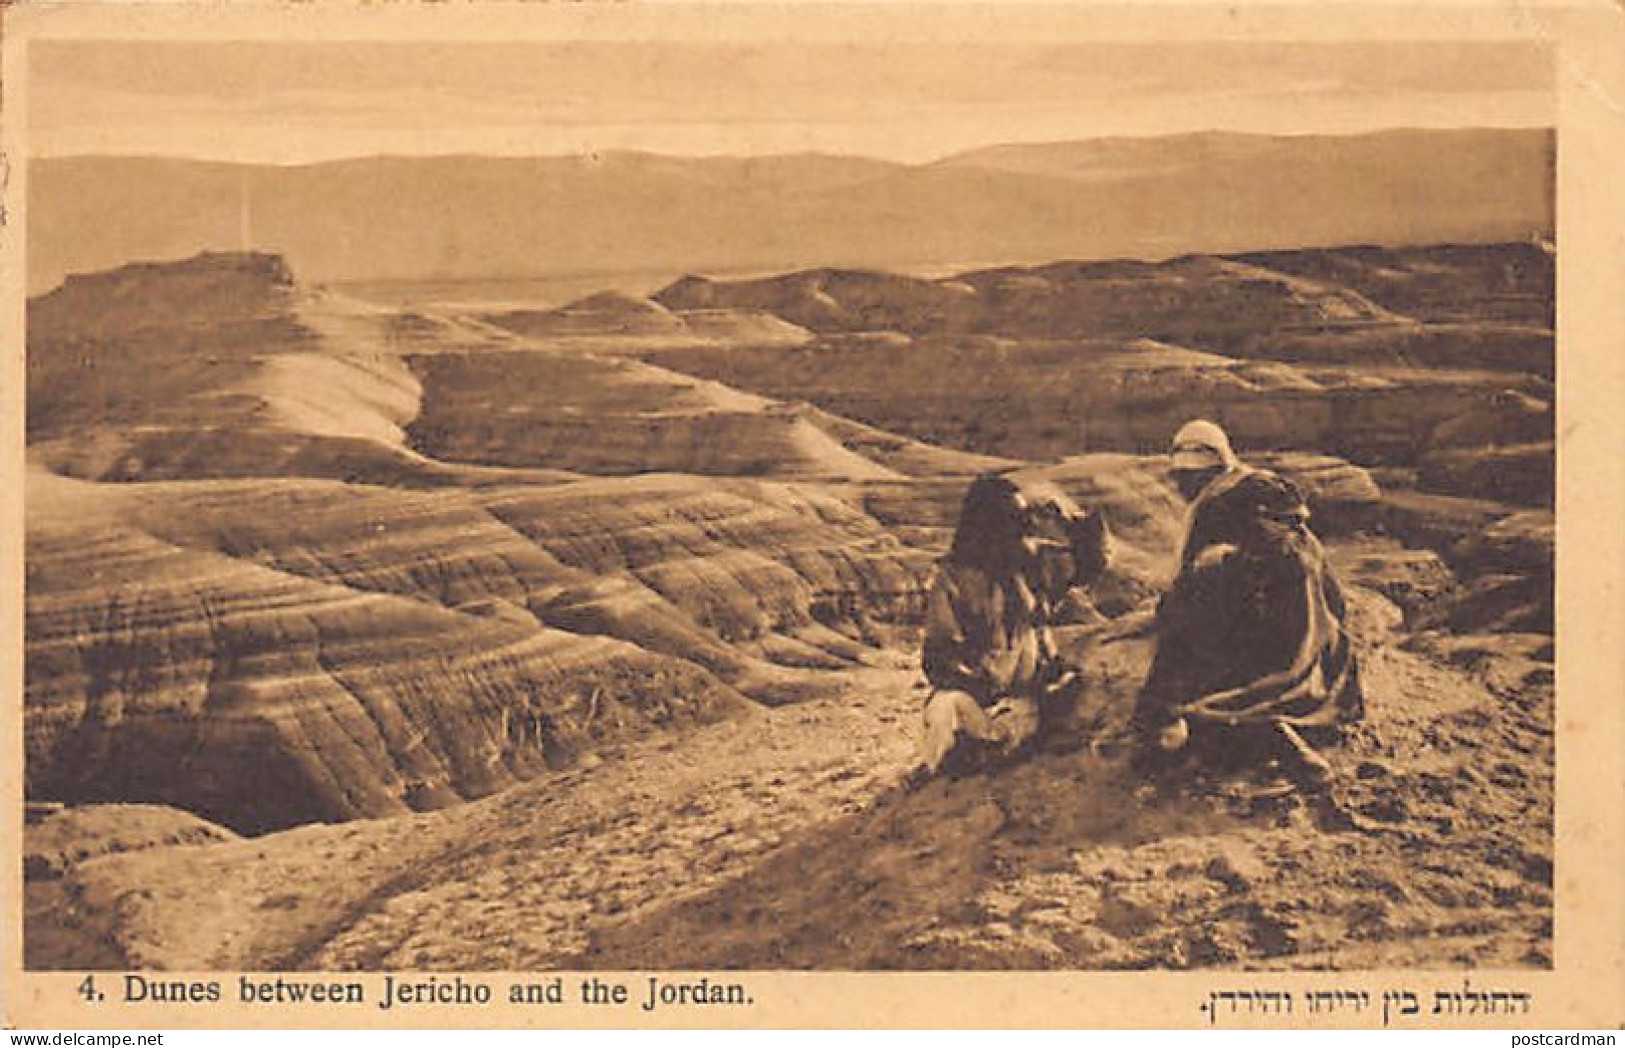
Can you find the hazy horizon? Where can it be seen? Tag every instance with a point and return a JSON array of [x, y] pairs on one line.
[[299, 103], [1012, 143]]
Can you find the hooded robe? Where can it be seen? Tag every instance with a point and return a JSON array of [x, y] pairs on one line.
[[1253, 629]]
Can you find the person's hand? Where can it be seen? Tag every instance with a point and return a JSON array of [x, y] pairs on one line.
[[1173, 737], [1014, 721], [1213, 556], [1132, 625], [1066, 678]]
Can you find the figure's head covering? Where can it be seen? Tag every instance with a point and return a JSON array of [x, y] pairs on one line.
[[1245, 507], [992, 525], [1201, 444]]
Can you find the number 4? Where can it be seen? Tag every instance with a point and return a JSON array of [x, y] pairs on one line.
[[87, 989]]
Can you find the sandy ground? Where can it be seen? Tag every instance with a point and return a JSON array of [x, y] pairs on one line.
[[1431, 852]]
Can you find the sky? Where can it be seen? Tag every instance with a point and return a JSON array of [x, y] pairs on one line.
[[300, 102]]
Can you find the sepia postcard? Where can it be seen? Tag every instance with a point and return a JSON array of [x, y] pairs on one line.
[[813, 515]]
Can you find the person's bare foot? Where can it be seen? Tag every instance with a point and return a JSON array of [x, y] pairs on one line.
[[1302, 762]]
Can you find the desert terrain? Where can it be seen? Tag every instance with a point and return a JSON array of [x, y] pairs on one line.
[[370, 634]]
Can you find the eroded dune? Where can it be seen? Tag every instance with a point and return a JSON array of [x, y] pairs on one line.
[[599, 415], [1218, 301], [263, 698], [1372, 354], [363, 651], [284, 644], [615, 323]]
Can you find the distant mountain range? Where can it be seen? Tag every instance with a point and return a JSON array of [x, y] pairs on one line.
[[450, 218]]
